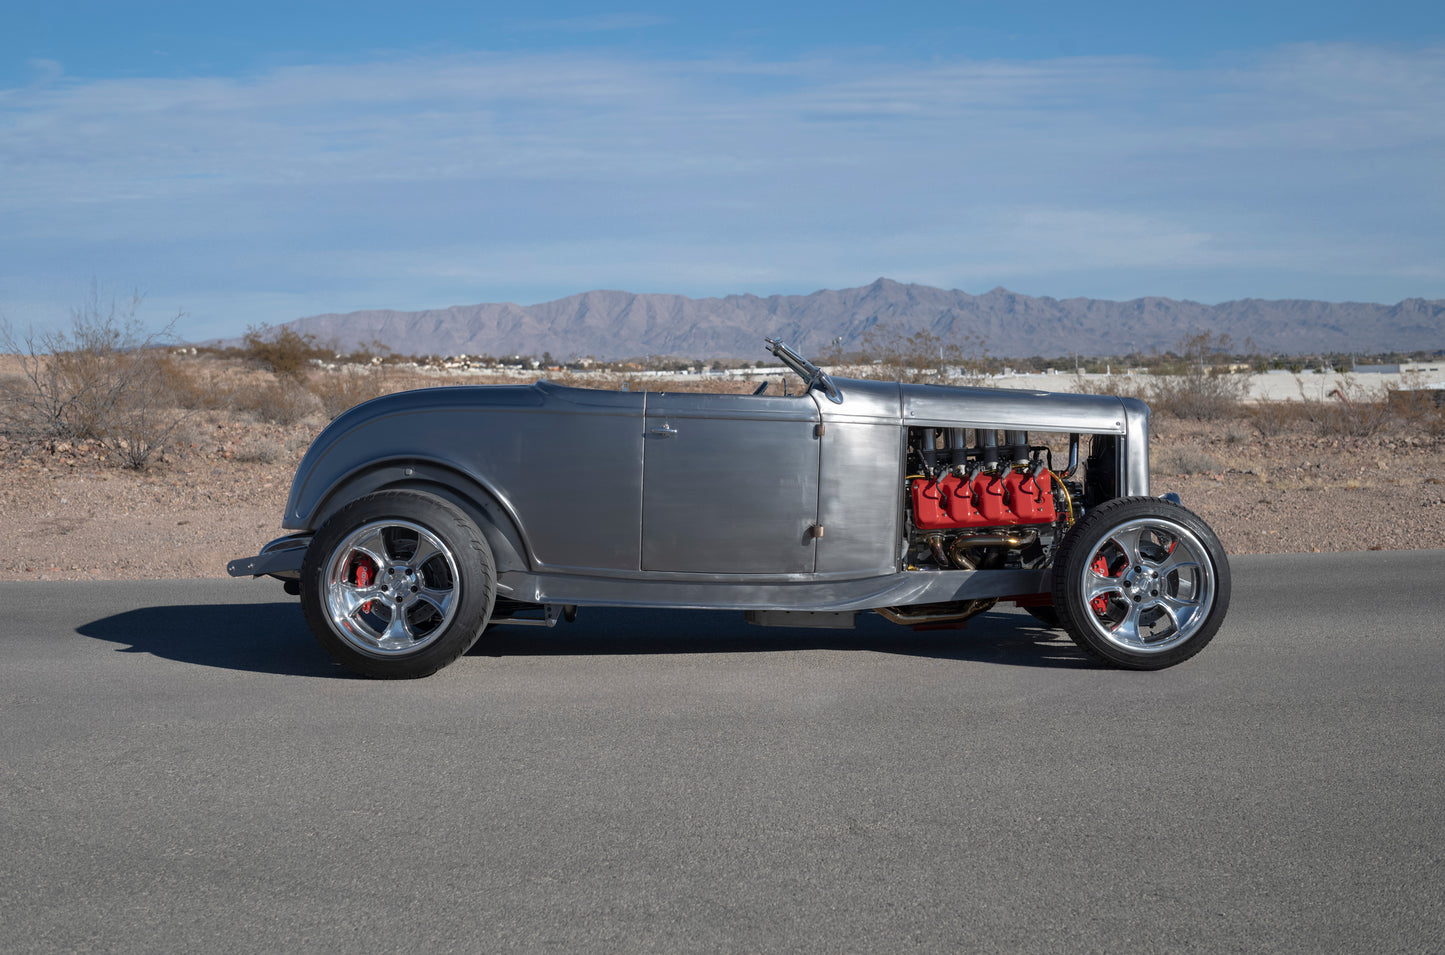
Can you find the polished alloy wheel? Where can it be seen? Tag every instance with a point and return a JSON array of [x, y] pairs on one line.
[[1148, 585], [391, 587]]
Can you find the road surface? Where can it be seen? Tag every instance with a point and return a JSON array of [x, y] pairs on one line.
[[184, 770]]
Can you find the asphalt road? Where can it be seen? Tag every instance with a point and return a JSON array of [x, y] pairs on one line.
[[182, 769]]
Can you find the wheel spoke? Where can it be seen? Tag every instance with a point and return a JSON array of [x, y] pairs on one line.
[[1097, 585], [1179, 610], [1127, 630], [1128, 540], [1178, 602], [426, 549], [398, 633], [439, 600], [1180, 560], [373, 545], [353, 598]]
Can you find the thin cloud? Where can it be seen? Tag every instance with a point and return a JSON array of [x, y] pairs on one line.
[[691, 176]]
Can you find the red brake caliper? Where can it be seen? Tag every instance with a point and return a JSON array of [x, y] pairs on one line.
[[1100, 566], [365, 574]]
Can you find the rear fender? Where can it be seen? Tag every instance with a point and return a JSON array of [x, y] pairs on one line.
[[497, 524]]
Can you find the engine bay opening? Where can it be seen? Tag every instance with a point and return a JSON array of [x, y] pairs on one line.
[[987, 499]]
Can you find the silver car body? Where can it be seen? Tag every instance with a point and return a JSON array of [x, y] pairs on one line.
[[686, 500]]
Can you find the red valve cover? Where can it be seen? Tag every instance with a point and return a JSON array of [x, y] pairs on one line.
[[991, 501], [988, 494], [1029, 497], [945, 503]]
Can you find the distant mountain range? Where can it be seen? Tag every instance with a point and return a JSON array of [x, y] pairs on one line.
[[612, 325]]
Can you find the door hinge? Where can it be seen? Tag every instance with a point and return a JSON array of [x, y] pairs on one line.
[[818, 430]]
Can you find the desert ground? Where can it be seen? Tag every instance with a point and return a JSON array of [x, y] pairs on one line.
[[1266, 477]]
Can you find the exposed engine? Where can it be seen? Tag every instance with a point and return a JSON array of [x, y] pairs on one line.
[[986, 504], [983, 505]]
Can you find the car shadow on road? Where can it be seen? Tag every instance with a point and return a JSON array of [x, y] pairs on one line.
[[272, 638], [259, 637]]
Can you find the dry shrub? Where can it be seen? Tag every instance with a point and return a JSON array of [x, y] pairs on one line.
[[143, 428], [1274, 418], [1122, 386], [282, 402], [1203, 395], [1430, 422], [1416, 408], [1356, 420], [284, 351], [338, 391], [1347, 411], [101, 381], [185, 387], [1359, 413]]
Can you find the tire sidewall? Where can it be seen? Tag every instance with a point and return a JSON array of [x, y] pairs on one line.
[[1073, 560], [475, 581]]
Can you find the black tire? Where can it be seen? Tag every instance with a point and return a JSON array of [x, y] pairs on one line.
[[1047, 616], [398, 584], [1141, 583]]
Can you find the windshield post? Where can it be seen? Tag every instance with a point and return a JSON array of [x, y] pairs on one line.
[[814, 376]]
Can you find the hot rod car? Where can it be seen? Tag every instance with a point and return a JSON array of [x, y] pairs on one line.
[[422, 517]]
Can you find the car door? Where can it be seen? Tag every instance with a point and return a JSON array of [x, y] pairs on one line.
[[730, 484]]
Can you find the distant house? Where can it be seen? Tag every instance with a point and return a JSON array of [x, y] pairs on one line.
[[1412, 366]]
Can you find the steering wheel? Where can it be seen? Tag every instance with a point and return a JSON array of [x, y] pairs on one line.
[[761, 388]]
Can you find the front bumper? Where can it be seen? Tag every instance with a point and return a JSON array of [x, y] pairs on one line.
[[280, 559]]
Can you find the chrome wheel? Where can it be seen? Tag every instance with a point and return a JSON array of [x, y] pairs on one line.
[[1141, 583], [391, 587], [1149, 586]]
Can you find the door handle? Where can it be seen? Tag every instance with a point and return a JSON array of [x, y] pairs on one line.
[[665, 430]]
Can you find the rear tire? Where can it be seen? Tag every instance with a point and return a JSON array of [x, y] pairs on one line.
[[1141, 583], [397, 584]]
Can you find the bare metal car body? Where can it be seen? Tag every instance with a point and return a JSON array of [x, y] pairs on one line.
[[796, 503]]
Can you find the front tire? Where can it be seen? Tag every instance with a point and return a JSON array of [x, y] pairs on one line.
[[397, 584], [1141, 583]]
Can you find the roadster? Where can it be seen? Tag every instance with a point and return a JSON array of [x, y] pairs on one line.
[[421, 518]]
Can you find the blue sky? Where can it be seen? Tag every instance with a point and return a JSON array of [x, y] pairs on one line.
[[258, 162]]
